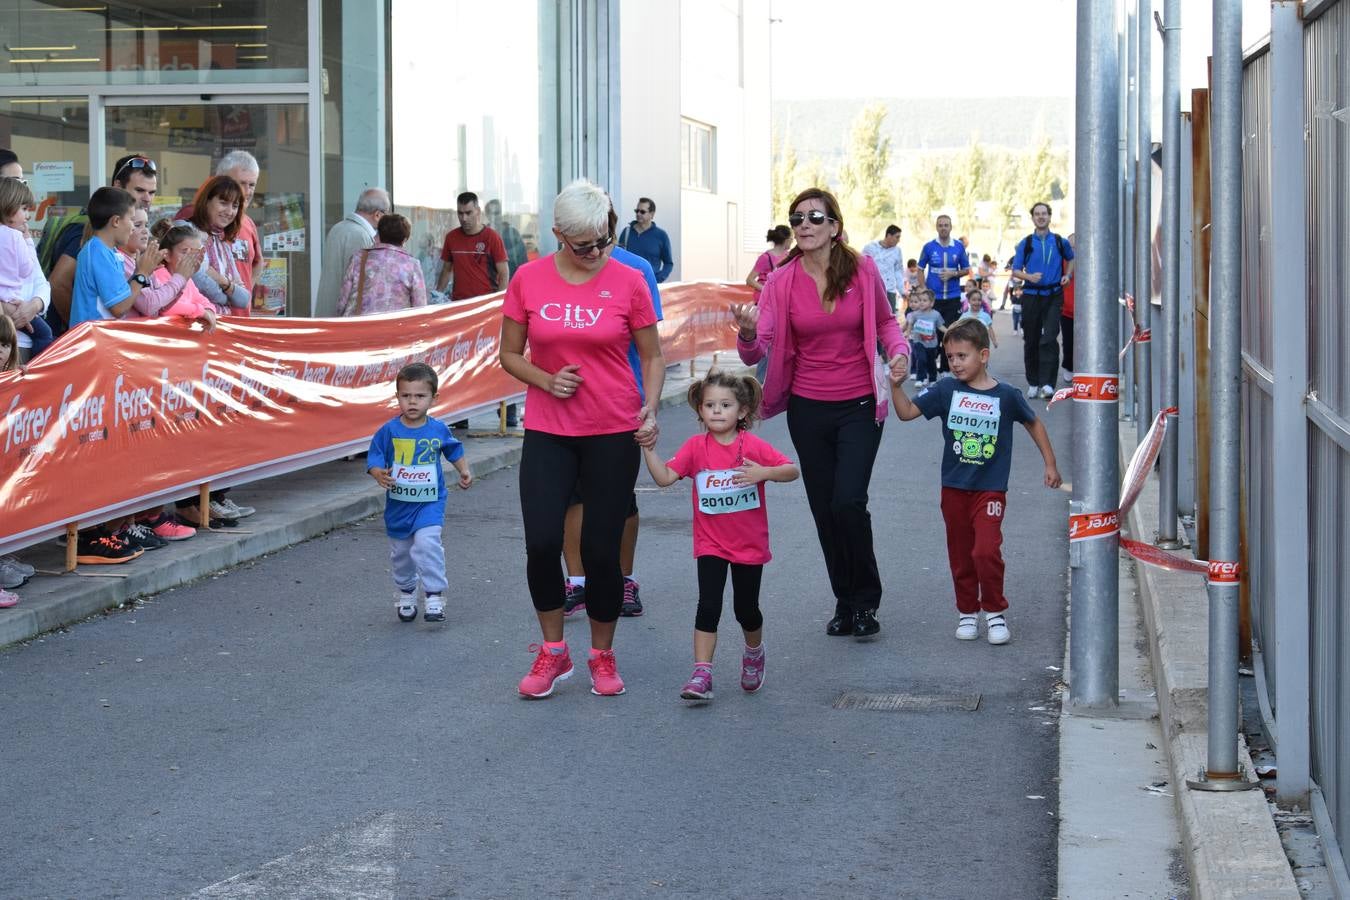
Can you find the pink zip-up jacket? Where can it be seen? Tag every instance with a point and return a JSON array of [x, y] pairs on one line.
[[773, 337]]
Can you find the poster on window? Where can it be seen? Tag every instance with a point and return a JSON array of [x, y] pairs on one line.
[[284, 223], [274, 279]]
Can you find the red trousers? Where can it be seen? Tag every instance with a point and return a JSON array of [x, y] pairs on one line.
[[974, 522]]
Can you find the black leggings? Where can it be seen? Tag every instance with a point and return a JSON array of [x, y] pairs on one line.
[[950, 310], [604, 468], [712, 581]]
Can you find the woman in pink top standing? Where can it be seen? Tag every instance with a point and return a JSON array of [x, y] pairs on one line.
[[584, 420], [819, 320]]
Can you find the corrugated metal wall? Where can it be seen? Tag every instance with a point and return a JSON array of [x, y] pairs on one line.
[[1327, 92]]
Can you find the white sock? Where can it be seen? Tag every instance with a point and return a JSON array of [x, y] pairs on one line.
[[631, 577], [578, 580]]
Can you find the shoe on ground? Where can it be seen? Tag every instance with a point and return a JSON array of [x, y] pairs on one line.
[[225, 513], [7, 599], [1047, 392], [18, 564], [699, 685], [1033, 392], [550, 667], [407, 607], [233, 510], [997, 627], [435, 611], [99, 548], [165, 527], [140, 536], [842, 623], [967, 628], [1066, 376], [865, 623], [574, 598], [752, 670], [189, 515], [605, 680], [11, 576], [632, 606]]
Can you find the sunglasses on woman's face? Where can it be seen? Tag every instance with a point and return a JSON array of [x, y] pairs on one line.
[[815, 217], [592, 247]]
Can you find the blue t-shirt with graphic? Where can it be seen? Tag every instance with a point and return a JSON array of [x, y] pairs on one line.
[[413, 458], [934, 257], [978, 428], [100, 283]]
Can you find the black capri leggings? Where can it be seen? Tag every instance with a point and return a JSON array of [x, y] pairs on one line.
[[604, 468], [712, 581]]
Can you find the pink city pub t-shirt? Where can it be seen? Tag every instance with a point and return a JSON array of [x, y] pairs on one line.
[[588, 325], [830, 361], [739, 536]]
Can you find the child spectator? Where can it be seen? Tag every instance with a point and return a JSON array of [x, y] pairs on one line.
[[977, 306], [180, 244], [23, 297], [731, 525], [923, 324], [977, 457], [405, 460], [10, 575], [102, 290]]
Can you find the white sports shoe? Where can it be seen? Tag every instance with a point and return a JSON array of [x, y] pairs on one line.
[[997, 627], [968, 628], [435, 611], [1047, 391], [1033, 392], [407, 607], [234, 510]]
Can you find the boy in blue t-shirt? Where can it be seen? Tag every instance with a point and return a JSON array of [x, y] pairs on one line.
[[101, 289], [405, 460], [978, 428]]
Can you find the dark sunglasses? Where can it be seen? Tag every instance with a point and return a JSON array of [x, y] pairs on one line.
[[815, 217], [592, 247], [137, 162], [639, 212]]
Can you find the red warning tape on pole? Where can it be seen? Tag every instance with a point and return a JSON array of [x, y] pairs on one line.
[[1089, 389]]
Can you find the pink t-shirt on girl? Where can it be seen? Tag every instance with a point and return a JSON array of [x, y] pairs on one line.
[[190, 302], [724, 526], [830, 361], [588, 325]]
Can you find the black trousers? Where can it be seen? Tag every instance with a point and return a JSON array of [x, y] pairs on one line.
[[604, 469], [1066, 334], [950, 310], [836, 444], [1040, 336], [712, 582]]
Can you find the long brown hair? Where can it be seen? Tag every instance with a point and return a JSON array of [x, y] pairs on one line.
[[226, 188], [843, 263], [9, 337]]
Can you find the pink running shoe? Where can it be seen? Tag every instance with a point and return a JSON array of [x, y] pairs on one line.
[[550, 667], [7, 599], [752, 670], [605, 680], [699, 685], [165, 527]]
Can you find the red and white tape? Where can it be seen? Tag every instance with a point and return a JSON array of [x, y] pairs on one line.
[[1089, 389]]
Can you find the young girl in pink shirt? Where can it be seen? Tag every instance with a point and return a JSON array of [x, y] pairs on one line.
[[731, 525]]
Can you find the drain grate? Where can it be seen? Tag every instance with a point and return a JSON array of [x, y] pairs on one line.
[[903, 702]]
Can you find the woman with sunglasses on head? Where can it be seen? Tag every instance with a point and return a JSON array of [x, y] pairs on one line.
[[819, 319], [584, 421]]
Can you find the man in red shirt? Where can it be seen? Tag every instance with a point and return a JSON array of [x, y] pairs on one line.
[[473, 254]]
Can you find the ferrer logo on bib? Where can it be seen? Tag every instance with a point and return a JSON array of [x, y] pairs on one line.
[[718, 492], [973, 420]]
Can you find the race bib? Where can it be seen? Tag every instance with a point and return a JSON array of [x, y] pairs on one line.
[[973, 420], [414, 484], [718, 495], [925, 329]]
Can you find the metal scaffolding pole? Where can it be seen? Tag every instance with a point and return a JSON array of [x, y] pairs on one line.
[[1143, 232], [1131, 128], [1094, 543], [1171, 270], [1225, 401]]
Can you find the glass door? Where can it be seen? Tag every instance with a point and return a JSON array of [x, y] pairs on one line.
[[187, 139]]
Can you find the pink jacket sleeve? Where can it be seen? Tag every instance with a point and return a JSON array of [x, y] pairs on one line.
[[774, 293], [153, 301]]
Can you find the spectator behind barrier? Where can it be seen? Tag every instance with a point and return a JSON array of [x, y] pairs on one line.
[[218, 211], [24, 291], [383, 277]]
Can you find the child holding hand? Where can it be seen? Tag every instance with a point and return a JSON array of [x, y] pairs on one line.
[[731, 524], [979, 413], [405, 460]]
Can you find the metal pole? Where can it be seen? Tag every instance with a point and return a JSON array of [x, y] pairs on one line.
[[1225, 400], [1093, 647], [1171, 270], [1289, 365], [1127, 212], [1143, 231]]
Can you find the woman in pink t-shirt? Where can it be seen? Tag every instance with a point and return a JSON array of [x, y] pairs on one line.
[[780, 236], [584, 420], [819, 320]]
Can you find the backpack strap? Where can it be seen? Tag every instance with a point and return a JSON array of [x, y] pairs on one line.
[[1026, 250]]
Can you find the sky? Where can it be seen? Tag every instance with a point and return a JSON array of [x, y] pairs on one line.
[[960, 48]]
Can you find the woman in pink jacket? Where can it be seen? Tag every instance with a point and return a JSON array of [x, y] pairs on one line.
[[819, 320]]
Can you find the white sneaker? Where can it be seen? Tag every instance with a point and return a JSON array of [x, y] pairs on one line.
[[997, 627], [1066, 376], [1047, 392], [968, 628], [234, 510], [1033, 392], [435, 611], [407, 607]]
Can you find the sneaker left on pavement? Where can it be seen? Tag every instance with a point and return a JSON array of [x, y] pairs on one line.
[[605, 680]]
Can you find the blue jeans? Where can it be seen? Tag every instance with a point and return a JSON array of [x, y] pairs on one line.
[[925, 361], [41, 335]]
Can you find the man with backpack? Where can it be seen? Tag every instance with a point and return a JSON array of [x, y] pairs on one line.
[[1044, 263]]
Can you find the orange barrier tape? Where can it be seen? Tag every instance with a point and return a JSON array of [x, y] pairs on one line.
[[123, 413], [1091, 526], [1089, 389], [1224, 572]]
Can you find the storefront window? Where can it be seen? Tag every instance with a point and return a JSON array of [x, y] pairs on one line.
[[152, 42], [466, 100], [51, 137]]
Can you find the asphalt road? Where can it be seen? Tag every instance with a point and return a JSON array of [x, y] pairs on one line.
[[274, 731]]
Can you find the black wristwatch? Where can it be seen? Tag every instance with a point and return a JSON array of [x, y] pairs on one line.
[[142, 280]]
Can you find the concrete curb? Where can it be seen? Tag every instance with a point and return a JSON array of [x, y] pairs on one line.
[[292, 508], [1232, 846]]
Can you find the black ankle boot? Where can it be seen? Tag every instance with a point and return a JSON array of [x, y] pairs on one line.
[[842, 623], [865, 623]]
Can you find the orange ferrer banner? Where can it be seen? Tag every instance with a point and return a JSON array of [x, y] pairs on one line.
[[120, 416]]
